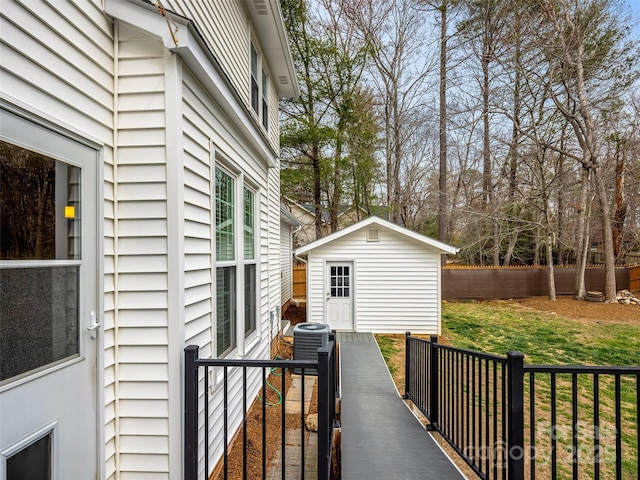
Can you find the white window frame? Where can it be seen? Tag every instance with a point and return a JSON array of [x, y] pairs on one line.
[[226, 263], [250, 261], [261, 78], [244, 341]]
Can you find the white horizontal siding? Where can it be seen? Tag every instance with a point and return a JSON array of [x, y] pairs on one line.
[[57, 61], [274, 246], [209, 137], [225, 27], [142, 259], [285, 263], [315, 289], [395, 282]]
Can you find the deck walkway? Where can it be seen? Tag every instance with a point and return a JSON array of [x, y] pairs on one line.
[[381, 438]]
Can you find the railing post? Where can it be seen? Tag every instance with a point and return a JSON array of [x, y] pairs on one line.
[[433, 384], [336, 362], [190, 460], [324, 414], [515, 452], [407, 365]]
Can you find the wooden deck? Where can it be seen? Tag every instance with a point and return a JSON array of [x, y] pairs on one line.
[[381, 438]]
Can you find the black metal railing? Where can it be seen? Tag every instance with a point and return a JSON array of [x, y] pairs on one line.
[[200, 403], [511, 420]]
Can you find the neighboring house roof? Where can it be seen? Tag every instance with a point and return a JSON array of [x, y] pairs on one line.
[[346, 210], [443, 247], [287, 217], [306, 209]]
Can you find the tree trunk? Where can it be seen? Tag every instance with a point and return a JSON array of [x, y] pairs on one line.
[[487, 195], [515, 132], [496, 244], [442, 180], [561, 200], [512, 245], [582, 238], [334, 207], [551, 281], [621, 204], [607, 234], [317, 190]]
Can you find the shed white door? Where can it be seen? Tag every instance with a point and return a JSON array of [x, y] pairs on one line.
[[48, 278], [339, 295]]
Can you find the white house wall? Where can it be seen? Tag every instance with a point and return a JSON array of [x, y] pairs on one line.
[[225, 26], [115, 85], [274, 250], [143, 277], [207, 139], [395, 282], [57, 63]]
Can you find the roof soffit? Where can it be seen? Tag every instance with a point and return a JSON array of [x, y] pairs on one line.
[[266, 18]]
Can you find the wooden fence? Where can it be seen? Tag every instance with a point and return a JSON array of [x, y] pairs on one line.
[[634, 278], [300, 282], [506, 282], [501, 283]]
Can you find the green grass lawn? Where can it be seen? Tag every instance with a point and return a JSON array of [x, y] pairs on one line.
[[543, 338], [549, 339]]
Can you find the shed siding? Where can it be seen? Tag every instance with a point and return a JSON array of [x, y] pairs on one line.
[[395, 282]]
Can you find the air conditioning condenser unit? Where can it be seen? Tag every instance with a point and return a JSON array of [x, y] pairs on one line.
[[307, 339]]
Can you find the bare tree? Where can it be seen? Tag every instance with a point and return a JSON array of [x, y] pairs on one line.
[[582, 47], [395, 33]]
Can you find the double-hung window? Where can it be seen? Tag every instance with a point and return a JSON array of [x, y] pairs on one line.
[[259, 87], [236, 278], [249, 263], [225, 265], [255, 94]]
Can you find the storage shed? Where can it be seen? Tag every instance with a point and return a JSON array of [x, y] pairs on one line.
[[375, 276]]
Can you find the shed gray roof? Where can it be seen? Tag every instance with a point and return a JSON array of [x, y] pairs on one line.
[[442, 247]]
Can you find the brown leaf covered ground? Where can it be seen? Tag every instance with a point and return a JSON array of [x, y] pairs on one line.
[[566, 306]]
